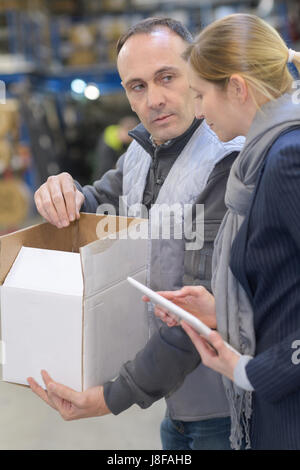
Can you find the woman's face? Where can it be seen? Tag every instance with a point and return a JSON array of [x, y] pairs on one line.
[[218, 107]]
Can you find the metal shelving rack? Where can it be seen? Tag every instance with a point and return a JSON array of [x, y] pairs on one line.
[[26, 32], [30, 32]]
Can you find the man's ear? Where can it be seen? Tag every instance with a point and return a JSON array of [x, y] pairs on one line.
[[238, 88]]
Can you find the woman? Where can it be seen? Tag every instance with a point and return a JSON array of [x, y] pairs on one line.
[[240, 75]]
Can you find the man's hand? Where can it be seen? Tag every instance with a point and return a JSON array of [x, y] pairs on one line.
[[69, 403], [58, 200], [194, 299]]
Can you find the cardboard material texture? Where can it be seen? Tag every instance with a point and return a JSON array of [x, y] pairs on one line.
[[66, 305]]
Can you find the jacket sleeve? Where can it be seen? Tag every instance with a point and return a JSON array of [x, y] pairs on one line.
[[275, 373], [157, 371], [107, 190]]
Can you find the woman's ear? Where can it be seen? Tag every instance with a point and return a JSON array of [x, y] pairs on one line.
[[238, 88]]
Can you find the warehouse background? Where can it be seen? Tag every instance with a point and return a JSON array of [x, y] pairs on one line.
[[57, 67], [59, 93]]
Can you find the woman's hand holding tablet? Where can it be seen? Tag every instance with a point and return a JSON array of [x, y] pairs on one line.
[[178, 311]]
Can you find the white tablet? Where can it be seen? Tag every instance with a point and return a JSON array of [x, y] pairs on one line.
[[197, 324]]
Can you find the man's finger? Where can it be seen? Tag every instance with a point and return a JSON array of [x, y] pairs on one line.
[[40, 208], [46, 207], [54, 400], [46, 378], [65, 393], [58, 201], [69, 193], [79, 200], [38, 390]]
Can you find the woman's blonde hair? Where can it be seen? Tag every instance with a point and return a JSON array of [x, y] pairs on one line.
[[246, 45]]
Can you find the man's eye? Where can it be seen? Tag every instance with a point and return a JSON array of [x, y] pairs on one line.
[[198, 97], [137, 87], [167, 78]]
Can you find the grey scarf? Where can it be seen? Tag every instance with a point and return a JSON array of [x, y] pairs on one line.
[[234, 312]]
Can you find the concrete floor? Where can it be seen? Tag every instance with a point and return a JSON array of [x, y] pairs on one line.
[[26, 422]]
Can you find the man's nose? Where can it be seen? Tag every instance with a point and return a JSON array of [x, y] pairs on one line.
[[155, 97]]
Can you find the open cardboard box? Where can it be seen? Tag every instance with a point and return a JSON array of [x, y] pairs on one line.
[[71, 310]]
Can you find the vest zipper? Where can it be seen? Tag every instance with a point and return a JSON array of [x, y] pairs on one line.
[[158, 180]]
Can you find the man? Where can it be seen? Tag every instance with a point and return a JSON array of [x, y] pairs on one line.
[[173, 158]]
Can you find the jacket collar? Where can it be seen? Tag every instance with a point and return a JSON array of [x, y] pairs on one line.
[[171, 147]]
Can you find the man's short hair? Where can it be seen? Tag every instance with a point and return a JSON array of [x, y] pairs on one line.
[[152, 24]]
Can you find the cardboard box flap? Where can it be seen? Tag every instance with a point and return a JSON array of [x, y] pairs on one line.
[[87, 229], [47, 271], [92, 227], [108, 253], [115, 329], [39, 236]]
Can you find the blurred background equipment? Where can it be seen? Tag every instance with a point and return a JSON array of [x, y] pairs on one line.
[[112, 144], [61, 100]]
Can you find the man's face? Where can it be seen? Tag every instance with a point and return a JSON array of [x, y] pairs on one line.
[[155, 78]]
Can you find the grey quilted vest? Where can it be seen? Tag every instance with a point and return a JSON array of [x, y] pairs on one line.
[[202, 394]]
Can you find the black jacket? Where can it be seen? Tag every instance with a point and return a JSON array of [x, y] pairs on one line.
[[265, 258]]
